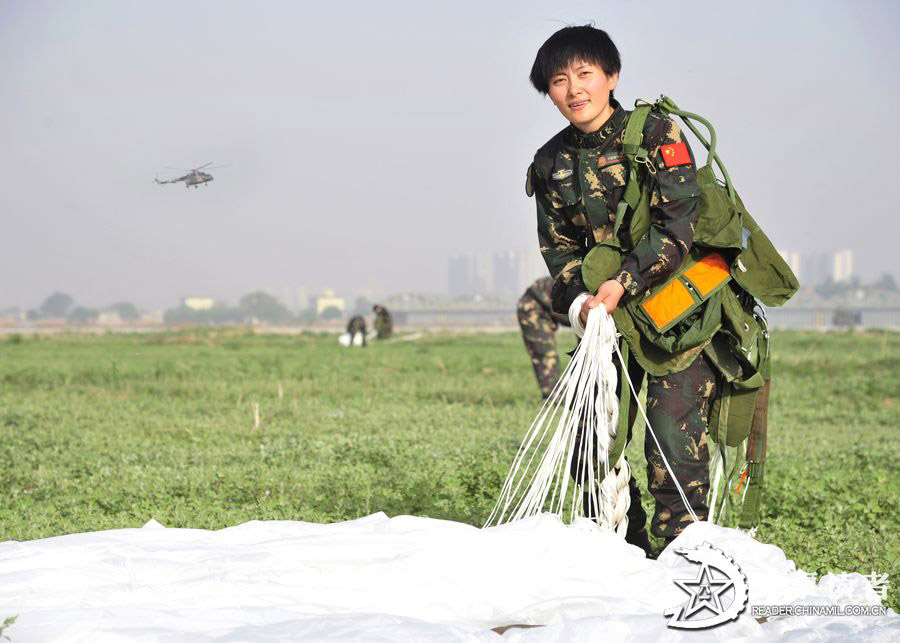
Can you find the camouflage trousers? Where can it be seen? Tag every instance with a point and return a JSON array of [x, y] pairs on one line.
[[539, 334], [678, 409]]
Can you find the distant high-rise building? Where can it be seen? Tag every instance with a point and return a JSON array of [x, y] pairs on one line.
[[470, 274], [842, 266], [507, 272], [817, 268]]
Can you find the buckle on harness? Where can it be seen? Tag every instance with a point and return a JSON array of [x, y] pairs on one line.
[[644, 160]]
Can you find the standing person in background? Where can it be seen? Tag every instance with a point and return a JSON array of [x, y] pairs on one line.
[[384, 323], [539, 323]]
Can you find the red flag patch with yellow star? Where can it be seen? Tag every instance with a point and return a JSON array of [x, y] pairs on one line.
[[675, 154]]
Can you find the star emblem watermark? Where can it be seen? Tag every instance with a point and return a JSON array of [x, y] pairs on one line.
[[717, 594]]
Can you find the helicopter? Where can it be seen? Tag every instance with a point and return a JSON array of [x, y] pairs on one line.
[[193, 177]]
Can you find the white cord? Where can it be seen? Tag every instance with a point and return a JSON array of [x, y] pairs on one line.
[[583, 401], [539, 478]]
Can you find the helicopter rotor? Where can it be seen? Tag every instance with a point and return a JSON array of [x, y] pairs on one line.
[[205, 166]]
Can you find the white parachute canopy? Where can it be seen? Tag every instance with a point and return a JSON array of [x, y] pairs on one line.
[[397, 579]]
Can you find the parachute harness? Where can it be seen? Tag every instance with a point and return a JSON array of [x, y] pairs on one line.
[[578, 431]]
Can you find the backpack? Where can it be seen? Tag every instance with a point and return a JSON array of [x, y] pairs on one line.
[[710, 304]]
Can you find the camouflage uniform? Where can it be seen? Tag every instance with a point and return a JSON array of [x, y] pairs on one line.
[[384, 323], [357, 324], [578, 180], [539, 323]]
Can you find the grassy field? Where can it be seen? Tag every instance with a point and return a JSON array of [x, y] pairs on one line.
[[110, 431]]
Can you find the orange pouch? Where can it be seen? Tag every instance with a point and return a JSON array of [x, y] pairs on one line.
[[682, 294]]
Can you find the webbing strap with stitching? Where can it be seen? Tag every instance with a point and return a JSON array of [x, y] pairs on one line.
[[632, 139]]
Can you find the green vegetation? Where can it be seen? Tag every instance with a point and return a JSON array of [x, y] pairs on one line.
[[110, 431], [6, 624]]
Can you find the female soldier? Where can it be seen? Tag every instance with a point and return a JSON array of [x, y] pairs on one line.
[[578, 179]]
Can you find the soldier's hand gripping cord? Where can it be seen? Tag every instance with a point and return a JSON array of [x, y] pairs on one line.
[[609, 294]]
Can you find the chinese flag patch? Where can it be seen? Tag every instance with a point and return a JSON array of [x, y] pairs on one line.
[[675, 154]]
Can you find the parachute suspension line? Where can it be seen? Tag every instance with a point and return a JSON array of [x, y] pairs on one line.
[[717, 464], [724, 497], [573, 433], [653, 434], [715, 467]]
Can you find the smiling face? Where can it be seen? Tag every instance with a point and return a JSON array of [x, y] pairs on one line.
[[581, 93]]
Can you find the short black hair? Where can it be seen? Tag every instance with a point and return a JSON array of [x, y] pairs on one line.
[[569, 44]]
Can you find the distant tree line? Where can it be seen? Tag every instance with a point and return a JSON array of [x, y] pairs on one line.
[[61, 306], [254, 307], [830, 288]]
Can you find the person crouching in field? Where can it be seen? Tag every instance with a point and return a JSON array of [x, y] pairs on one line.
[[578, 179], [356, 328]]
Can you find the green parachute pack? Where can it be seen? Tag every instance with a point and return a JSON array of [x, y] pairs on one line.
[[710, 304]]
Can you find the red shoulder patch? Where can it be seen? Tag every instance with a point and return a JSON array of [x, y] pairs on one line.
[[675, 154]]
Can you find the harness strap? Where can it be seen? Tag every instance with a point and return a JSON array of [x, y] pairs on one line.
[[756, 461], [724, 407], [632, 140]]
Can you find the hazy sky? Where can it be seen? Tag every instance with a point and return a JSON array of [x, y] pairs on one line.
[[368, 141]]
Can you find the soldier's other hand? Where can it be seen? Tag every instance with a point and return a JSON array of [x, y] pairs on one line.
[[609, 294]]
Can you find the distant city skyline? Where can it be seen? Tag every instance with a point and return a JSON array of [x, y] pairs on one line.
[[816, 268], [504, 272], [366, 144]]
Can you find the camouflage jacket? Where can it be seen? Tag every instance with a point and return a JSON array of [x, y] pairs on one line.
[[542, 291], [578, 179]]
